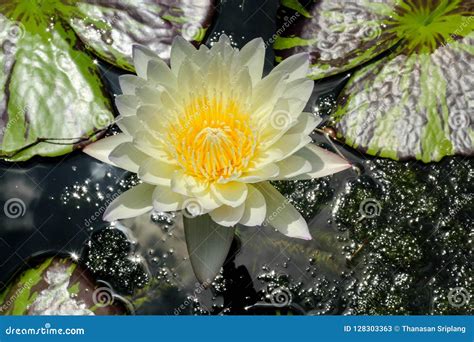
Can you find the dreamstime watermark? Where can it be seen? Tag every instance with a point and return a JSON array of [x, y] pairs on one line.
[[191, 31], [99, 212], [14, 208], [286, 25], [280, 297], [199, 288], [45, 330], [6, 305], [459, 120], [458, 297], [369, 208], [460, 30], [281, 119], [103, 297], [192, 208]]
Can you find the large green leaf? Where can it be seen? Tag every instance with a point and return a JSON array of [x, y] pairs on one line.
[[338, 34], [113, 26], [51, 96], [417, 101]]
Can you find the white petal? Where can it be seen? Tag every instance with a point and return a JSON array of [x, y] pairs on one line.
[[150, 94], [208, 245], [128, 157], [232, 194], [190, 79], [150, 116], [284, 147], [159, 73], [323, 162], [101, 149], [134, 202], [156, 172], [293, 166], [252, 55], [261, 174], [281, 214], [148, 144], [129, 83], [306, 123], [128, 124], [227, 216], [141, 57], [255, 208], [297, 66], [180, 50], [127, 104], [297, 94], [265, 95], [188, 185], [165, 199]]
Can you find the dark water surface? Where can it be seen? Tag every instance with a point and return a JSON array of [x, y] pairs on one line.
[[389, 238]]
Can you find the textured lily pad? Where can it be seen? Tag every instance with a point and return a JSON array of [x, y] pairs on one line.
[[418, 100], [337, 34], [52, 98], [57, 286], [113, 26]]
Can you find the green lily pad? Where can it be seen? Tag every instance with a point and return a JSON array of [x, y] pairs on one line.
[[59, 286], [112, 27], [52, 98], [415, 102], [337, 34]]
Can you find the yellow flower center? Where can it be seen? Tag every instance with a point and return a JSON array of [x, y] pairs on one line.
[[213, 138]]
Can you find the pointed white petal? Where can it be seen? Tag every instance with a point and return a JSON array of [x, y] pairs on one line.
[[129, 83], [261, 174], [165, 199], [297, 66], [306, 123], [134, 202], [252, 55], [128, 157], [255, 208], [158, 72], [232, 194], [281, 214], [141, 57], [323, 162], [127, 104], [293, 166], [208, 245], [188, 185], [227, 216], [180, 50], [156, 172], [151, 117], [265, 95], [101, 149], [148, 143], [128, 124], [284, 147]]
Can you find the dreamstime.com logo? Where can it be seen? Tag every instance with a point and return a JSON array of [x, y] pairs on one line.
[[280, 297], [102, 297], [14, 208], [18, 292], [369, 208], [459, 297], [46, 330]]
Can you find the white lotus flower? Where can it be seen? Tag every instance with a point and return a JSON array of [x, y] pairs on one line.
[[208, 133]]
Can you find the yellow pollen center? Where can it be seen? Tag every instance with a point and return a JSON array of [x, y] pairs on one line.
[[212, 139]]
